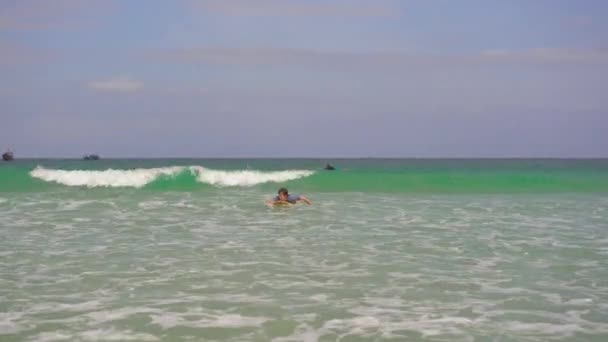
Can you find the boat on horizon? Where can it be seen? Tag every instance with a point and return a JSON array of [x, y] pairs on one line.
[[8, 156], [91, 157]]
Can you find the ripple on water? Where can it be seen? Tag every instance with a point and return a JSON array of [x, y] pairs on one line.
[[175, 266]]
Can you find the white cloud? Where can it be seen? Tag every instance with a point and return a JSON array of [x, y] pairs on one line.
[[118, 84]]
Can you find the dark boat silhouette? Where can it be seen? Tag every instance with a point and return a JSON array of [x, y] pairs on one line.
[[91, 157], [329, 167], [8, 156]]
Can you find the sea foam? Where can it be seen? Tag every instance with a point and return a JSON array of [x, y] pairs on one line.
[[137, 178]]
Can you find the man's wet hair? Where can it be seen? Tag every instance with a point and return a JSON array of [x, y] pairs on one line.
[[283, 191]]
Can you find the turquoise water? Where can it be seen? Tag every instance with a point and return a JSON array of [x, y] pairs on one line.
[[402, 250], [354, 175]]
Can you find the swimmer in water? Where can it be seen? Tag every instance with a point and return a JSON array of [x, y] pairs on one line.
[[283, 196]]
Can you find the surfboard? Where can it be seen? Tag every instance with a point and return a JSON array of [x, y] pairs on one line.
[[282, 204]]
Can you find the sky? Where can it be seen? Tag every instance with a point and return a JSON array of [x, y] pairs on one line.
[[304, 78]]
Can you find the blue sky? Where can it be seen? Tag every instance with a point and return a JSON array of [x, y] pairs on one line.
[[287, 78]]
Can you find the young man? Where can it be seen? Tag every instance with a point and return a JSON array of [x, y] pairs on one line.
[[284, 196]]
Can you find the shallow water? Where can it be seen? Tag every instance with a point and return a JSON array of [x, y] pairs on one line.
[[217, 264]]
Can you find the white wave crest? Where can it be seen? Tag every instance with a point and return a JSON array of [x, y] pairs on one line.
[[246, 177], [138, 178], [104, 178]]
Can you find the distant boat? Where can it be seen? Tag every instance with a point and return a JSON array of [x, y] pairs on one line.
[[91, 157], [329, 167], [8, 156]]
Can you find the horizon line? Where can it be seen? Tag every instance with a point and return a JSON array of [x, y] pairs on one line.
[[319, 157]]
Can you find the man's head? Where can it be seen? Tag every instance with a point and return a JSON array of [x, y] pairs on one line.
[[283, 194]]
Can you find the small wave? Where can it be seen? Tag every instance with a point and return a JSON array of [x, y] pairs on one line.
[[246, 177], [138, 178]]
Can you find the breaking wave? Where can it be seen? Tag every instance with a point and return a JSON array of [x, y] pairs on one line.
[[137, 178]]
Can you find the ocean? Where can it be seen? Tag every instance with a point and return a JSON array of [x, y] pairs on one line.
[[390, 250]]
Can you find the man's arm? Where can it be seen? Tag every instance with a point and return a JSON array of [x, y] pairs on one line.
[[305, 200]]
